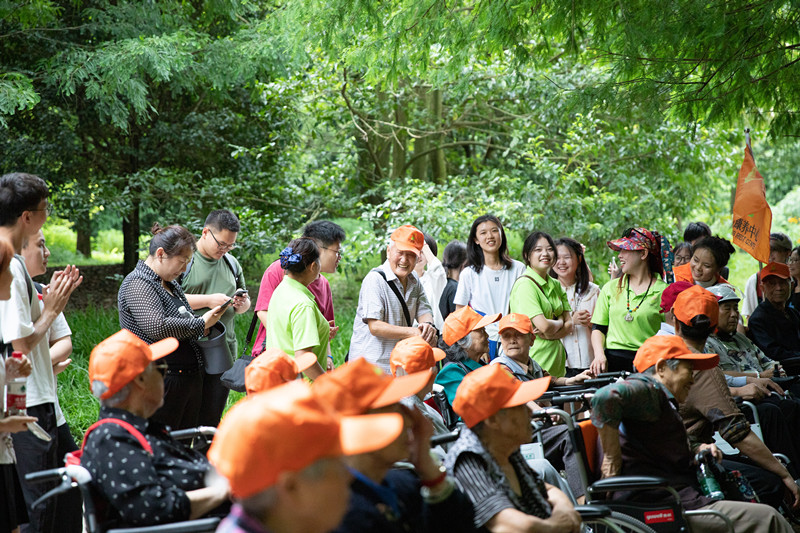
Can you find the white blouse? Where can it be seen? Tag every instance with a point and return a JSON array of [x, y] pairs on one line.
[[578, 343]]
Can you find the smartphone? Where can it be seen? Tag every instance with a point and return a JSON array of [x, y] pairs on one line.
[[226, 304], [240, 292]]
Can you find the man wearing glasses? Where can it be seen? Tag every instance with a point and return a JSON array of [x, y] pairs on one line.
[[212, 277]]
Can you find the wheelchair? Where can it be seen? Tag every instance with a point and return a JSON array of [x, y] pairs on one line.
[[662, 516], [76, 477]]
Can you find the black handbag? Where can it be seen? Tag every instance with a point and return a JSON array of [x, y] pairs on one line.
[[233, 378]]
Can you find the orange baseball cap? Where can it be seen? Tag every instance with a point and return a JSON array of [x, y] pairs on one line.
[[459, 323], [775, 269], [286, 429], [671, 347], [274, 367], [358, 386], [483, 392], [408, 238], [696, 301], [516, 321], [117, 360], [414, 355]]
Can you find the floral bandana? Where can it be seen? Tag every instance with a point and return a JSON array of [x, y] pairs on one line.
[[638, 239]]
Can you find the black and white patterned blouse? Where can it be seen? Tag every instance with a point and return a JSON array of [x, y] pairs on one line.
[[148, 310], [479, 476], [137, 488]]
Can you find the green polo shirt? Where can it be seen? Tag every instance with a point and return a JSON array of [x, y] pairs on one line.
[[295, 322], [550, 301], [211, 276], [612, 306]]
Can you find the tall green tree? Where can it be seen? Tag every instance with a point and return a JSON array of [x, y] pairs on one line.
[[125, 104], [734, 62]]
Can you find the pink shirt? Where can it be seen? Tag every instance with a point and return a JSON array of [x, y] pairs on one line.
[[320, 288]]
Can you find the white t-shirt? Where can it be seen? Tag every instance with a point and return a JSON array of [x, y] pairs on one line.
[[433, 283], [488, 292], [6, 445], [750, 300], [58, 329], [17, 316]]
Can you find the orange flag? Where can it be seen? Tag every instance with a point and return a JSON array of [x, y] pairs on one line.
[[752, 217]]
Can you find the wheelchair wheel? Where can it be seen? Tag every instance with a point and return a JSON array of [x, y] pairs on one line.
[[617, 523]]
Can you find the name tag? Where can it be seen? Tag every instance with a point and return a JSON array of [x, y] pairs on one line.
[[531, 451]]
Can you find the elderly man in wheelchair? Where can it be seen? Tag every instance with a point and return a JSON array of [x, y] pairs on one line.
[[141, 476], [642, 434]]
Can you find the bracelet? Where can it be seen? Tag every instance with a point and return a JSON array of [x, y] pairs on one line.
[[435, 481], [758, 374], [440, 493], [330, 357]]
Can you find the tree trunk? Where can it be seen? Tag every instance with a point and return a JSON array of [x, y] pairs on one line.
[[130, 236], [83, 228], [419, 169], [399, 145], [437, 158]]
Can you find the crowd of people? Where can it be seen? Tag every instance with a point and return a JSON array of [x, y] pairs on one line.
[[469, 342]]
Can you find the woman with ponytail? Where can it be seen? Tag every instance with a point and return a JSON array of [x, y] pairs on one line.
[[294, 322], [153, 306], [628, 309]]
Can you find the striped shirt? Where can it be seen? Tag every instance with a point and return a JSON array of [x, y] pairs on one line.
[[377, 301], [479, 476]]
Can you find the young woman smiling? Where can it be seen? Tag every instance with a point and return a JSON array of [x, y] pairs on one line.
[[628, 309], [709, 257], [486, 281], [573, 275], [542, 299]]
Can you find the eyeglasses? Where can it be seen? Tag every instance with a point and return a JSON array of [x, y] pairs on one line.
[[793, 260], [162, 368], [48, 209], [337, 252], [223, 246]]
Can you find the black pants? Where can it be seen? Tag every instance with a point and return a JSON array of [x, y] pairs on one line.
[[620, 360], [779, 427], [183, 395], [558, 449], [33, 455], [69, 505], [215, 396], [767, 485]]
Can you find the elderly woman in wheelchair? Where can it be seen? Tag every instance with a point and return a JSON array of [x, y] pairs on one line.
[[642, 434], [140, 474]]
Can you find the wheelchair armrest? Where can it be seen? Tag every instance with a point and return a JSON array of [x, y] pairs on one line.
[[612, 484], [600, 382], [436, 440], [189, 526], [185, 434], [566, 388], [786, 382], [592, 512], [53, 474]]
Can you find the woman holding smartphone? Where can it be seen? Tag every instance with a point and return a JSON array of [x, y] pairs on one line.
[[153, 306], [294, 322]]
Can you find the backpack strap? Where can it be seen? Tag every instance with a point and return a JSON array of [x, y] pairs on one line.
[[75, 457], [237, 274], [396, 292]]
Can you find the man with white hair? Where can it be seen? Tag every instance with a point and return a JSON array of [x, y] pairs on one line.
[[390, 300]]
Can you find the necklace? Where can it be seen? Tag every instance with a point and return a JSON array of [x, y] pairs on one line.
[[629, 316]]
